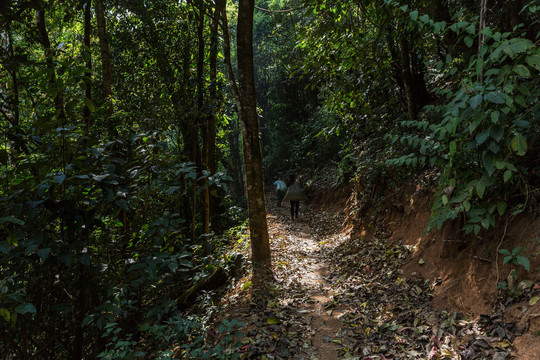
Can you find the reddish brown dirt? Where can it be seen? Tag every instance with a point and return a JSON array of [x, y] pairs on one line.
[[466, 268], [331, 199]]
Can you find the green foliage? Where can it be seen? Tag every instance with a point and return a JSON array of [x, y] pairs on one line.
[[479, 136], [96, 207], [516, 257]]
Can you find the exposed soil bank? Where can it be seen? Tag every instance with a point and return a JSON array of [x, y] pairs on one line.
[[465, 269]]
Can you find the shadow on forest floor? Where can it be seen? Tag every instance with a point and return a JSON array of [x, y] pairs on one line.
[[337, 298]]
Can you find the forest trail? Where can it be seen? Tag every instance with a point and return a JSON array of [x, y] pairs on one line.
[[300, 250], [337, 298]]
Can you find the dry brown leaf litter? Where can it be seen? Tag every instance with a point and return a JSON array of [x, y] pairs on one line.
[[336, 298]]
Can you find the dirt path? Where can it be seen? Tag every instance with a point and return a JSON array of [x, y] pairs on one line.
[[300, 251], [337, 298]]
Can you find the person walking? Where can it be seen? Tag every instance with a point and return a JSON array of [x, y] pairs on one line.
[[294, 194], [281, 189]]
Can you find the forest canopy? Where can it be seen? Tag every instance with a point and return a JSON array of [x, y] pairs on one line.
[[121, 143]]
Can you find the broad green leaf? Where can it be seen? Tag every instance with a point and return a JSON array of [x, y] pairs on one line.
[[494, 147], [84, 259], [272, 321], [29, 249], [534, 300], [495, 97], [482, 137], [438, 26], [517, 46], [488, 164], [172, 265], [501, 207], [524, 89], [520, 100], [25, 308], [480, 188], [468, 41], [522, 71], [414, 15], [519, 144], [452, 147], [471, 29], [172, 189], [497, 132], [499, 164], [504, 252], [4, 313], [59, 178], [99, 178], [89, 104], [495, 116], [522, 123], [444, 199], [507, 175], [11, 219], [533, 61], [475, 101], [43, 253], [518, 209], [524, 261]]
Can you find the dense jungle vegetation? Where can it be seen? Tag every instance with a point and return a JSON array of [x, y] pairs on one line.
[[129, 135]]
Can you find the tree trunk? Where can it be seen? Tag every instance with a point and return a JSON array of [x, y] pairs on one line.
[[58, 99], [79, 313], [247, 111], [408, 81], [211, 133], [12, 114], [106, 64], [202, 118], [236, 161], [88, 82]]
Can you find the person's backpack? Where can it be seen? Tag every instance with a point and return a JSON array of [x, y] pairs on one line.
[[295, 193]]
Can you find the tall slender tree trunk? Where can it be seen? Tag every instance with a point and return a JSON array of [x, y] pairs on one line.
[[80, 307], [44, 35], [408, 81], [88, 82], [233, 137], [15, 103], [247, 111], [16, 142], [106, 63], [244, 94], [212, 166], [236, 160], [202, 118]]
